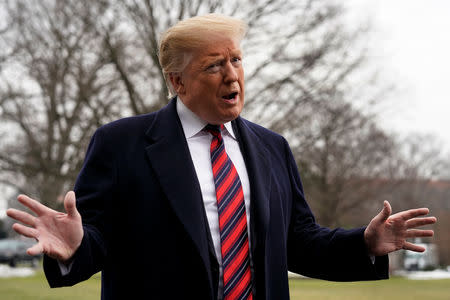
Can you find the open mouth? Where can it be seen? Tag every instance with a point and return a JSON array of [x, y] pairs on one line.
[[230, 96]]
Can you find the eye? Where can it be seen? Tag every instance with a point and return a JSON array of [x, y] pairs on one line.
[[236, 61], [214, 67]]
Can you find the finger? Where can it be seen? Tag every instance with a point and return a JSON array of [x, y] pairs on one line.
[[413, 247], [413, 233], [413, 213], [70, 204], [32, 204], [35, 250], [25, 231], [21, 216], [417, 222]]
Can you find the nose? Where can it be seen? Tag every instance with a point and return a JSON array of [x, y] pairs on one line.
[[230, 73]]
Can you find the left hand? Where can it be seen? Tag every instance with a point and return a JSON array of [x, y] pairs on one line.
[[386, 233]]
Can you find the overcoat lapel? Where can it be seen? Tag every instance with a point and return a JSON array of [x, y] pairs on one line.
[[170, 158]]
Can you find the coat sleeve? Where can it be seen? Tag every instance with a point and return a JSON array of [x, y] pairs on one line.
[[94, 188], [320, 252]]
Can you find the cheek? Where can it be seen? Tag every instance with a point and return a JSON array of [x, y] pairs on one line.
[[205, 87]]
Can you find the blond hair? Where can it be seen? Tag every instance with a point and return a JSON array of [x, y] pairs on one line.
[[178, 43]]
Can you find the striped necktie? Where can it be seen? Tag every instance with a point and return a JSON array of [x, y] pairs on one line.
[[232, 221]]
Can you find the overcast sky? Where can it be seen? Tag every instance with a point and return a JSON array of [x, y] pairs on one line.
[[411, 43]]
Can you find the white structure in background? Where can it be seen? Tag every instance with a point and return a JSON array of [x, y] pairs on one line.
[[7, 271]]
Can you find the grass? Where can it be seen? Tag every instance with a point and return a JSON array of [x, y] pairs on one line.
[[392, 289], [36, 288]]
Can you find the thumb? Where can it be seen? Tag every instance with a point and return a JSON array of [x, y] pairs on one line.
[[70, 204], [385, 212], [35, 249]]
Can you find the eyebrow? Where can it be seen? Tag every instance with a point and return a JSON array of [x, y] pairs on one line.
[[217, 56], [214, 54]]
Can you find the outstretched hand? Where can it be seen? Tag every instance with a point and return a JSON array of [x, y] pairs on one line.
[[387, 233], [58, 234]]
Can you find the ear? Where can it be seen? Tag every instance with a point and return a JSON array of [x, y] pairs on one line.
[[177, 82]]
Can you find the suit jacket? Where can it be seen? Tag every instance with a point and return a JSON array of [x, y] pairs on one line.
[[145, 226]]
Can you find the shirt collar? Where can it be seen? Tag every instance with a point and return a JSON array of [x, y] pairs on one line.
[[192, 124]]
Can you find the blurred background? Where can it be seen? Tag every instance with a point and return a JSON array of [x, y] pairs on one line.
[[358, 88]]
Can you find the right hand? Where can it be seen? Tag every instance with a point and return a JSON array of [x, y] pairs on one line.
[[58, 234]]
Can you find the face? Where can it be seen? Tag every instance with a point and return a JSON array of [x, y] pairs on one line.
[[212, 84]]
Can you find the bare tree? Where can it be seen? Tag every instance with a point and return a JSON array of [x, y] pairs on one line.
[[56, 87], [422, 157], [344, 153], [442, 237], [354, 168], [419, 181]]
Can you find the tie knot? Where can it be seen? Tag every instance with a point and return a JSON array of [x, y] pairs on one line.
[[214, 129]]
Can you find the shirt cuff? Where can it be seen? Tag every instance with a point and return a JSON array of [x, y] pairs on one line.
[[65, 269]]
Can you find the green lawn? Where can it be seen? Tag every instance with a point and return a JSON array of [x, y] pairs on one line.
[[35, 288], [394, 288]]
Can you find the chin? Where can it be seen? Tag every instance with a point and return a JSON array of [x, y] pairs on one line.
[[229, 118], [227, 115]]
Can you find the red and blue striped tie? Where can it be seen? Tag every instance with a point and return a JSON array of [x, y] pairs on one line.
[[232, 221]]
